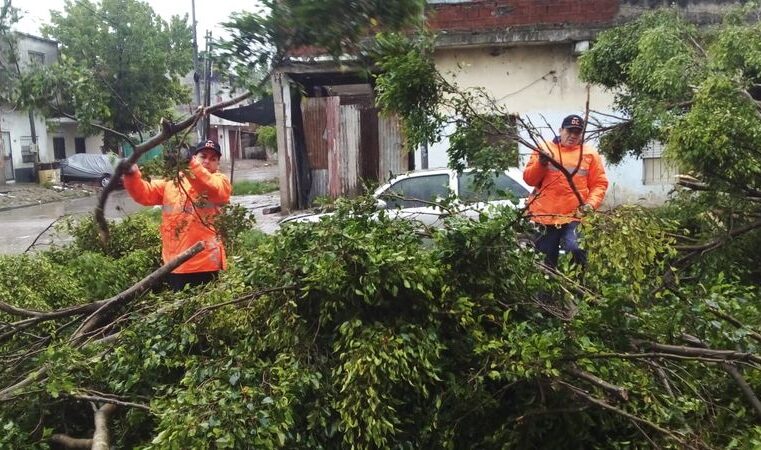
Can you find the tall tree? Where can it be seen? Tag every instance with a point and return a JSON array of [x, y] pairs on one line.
[[121, 64]]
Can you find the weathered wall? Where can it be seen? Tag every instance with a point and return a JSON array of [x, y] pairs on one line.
[[508, 13], [540, 82]]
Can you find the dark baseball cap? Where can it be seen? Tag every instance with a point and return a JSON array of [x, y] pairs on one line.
[[573, 122], [211, 145]]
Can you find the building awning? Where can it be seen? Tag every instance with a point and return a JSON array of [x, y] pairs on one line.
[[261, 112]]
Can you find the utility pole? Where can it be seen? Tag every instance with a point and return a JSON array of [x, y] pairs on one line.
[[196, 73], [207, 99]]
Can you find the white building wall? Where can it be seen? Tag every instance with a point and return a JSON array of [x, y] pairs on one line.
[[16, 123], [69, 131], [540, 83]]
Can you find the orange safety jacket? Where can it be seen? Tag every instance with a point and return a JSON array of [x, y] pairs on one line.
[[553, 201], [188, 211]]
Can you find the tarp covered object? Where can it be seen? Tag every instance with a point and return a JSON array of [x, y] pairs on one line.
[[261, 112], [89, 165]]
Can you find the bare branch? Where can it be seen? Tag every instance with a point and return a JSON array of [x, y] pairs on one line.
[[678, 350], [596, 401], [34, 242], [101, 439], [746, 389], [618, 391], [114, 401], [70, 442], [107, 306], [248, 297], [714, 244]]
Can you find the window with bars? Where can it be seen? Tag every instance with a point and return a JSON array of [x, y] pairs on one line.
[[36, 58], [657, 170]]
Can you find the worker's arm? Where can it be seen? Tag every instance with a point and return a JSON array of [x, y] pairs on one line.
[[143, 192], [215, 185], [535, 170], [597, 182]]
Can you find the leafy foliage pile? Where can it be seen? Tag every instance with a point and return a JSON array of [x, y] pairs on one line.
[[359, 333]]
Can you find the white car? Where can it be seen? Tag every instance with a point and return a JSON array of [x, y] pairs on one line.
[[414, 195]]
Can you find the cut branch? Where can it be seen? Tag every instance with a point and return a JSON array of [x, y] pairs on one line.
[[70, 442], [101, 439], [678, 350], [108, 306], [617, 391], [101, 310], [746, 389], [731, 319], [596, 401]]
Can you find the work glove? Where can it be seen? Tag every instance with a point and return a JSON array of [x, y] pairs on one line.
[[543, 159]]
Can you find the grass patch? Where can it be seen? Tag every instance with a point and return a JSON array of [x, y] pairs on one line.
[[255, 187]]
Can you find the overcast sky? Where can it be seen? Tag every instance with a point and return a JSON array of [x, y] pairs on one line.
[[209, 13]]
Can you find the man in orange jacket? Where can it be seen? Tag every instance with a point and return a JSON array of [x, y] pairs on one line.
[[189, 207], [553, 204]]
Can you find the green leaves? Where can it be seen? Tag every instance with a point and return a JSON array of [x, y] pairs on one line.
[[120, 66]]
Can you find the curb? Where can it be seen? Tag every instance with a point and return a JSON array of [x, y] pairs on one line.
[[28, 205]]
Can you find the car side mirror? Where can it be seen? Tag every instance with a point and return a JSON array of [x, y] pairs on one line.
[[380, 204]]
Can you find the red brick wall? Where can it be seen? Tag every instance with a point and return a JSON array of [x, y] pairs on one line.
[[494, 14]]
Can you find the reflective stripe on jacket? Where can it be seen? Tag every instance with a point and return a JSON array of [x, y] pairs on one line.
[[188, 212], [553, 202]]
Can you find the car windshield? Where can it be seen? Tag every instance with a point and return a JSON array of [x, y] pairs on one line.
[[415, 192], [503, 188]]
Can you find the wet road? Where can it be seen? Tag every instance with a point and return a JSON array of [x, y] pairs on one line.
[[19, 227]]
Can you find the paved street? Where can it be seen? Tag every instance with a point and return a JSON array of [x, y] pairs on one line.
[[21, 226]]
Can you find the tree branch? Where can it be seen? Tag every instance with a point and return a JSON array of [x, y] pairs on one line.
[[248, 297], [101, 439], [731, 319], [596, 401], [721, 355], [746, 389], [101, 310], [117, 402], [618, 391], [70, 442], [168, 129], [107, 306]]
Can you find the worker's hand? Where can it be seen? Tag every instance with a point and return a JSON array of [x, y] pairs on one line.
[[128, 170], [586, 209], [544, 159]]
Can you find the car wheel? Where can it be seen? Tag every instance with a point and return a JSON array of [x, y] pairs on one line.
[[104, 180]]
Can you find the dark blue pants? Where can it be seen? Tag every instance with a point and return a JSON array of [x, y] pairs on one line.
[[178, 281], [552, 238]]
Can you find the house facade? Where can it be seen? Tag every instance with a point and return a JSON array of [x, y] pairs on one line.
[[28, 137], [524, 53]]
